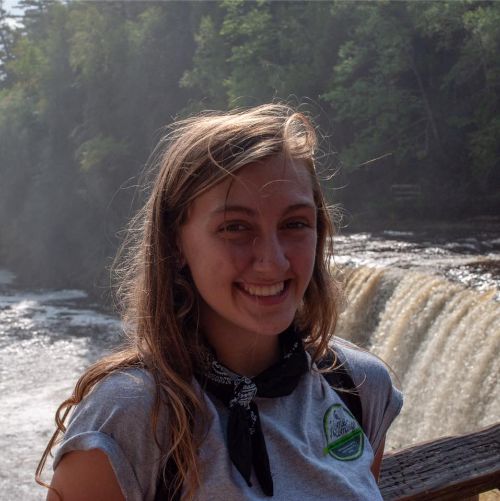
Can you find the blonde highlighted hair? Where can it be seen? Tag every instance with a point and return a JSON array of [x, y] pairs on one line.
[[158, 298]]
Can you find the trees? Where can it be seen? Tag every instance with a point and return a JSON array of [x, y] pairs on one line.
[[468, 34], [89, 85], [253, 52], [418, 84], [7, 41]]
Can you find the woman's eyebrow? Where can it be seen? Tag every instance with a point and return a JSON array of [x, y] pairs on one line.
[[234, 208], [251, 212], [299, 206]]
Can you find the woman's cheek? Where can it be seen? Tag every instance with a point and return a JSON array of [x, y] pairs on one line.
[[304, 249], [237, 254]]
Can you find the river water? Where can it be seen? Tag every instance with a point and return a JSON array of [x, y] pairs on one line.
[[428, 305]]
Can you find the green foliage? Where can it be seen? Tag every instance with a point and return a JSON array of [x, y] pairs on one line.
[[209, 64], [88, 86], [100, 152], [252, 52], [27, 59], [416, 85], [374, 89]]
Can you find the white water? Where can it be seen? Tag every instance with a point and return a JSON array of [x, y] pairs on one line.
[[46, 340], [442, 341]]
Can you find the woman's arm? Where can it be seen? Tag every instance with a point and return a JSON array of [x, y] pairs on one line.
[[377, 461], [85, 476]]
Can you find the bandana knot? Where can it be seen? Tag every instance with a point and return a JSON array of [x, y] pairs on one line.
[[244, 392], [245, 439]]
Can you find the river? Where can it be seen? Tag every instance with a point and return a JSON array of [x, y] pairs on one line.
[[427, 303]]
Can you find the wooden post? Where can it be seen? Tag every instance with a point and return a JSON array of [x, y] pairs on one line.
[[452, 468]]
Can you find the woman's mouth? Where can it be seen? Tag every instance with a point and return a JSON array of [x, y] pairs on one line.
[[268, 293], [264, 290]]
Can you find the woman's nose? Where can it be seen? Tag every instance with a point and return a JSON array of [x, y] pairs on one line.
[[270, 255]]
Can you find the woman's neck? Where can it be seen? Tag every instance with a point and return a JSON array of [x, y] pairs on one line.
[[247, 355]]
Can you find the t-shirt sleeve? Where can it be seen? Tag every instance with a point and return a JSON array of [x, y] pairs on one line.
[[116, 418], [381, 400]]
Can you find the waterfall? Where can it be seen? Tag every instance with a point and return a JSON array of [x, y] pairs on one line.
[[442, 341]]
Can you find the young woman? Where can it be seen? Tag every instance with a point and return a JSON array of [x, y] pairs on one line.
[[229, 304]]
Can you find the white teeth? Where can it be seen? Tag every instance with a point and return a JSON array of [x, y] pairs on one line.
[[264, 290]]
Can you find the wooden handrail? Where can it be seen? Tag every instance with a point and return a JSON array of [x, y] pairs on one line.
[[450, 468]]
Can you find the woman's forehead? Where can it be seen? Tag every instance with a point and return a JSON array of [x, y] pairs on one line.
[[271, 185], [274, 177]]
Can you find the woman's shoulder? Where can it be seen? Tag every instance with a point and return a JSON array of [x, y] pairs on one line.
[[120, 396], [123, 399], [124, 389], [364, 367], [381, 401], [116, 418]]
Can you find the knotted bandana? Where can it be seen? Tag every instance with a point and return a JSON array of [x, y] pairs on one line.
[[245, 439]]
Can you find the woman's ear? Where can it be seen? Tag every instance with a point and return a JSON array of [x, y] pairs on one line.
[[181, 261]]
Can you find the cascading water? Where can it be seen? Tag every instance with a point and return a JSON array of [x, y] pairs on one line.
[[441, 339]]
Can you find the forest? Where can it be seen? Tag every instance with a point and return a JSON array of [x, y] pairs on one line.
[[406, 95]]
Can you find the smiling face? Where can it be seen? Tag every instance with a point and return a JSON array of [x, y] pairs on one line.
[[250, 243]]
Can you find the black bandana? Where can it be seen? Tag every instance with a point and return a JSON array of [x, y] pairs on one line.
[[245, 439]]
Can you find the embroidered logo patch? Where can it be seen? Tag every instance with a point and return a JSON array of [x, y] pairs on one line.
[[344, 436]]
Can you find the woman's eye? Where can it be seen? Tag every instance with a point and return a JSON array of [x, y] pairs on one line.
[[297, 225], [232, 228]]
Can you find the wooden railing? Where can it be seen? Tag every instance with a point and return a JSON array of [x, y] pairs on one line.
[[452, 468]]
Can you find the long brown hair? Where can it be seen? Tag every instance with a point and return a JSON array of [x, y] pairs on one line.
[[158, 299]]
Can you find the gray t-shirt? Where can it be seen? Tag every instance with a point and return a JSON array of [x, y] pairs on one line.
[[315, 447]]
